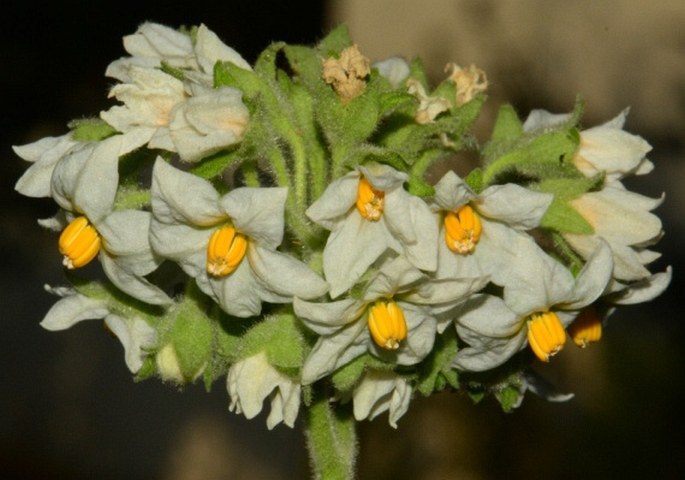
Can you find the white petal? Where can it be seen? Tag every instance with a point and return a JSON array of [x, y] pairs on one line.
[[45, 153], [135, 335], [592, 279], [539, 119], [644, 290], [489, 316], [350, 249], [285, 275], [514, 205], [238, 293], [451, 192], [155, 40], [210, 49], [381, 391], [491, 353], [394, 69], [178, 196], [134, 285], [258, 213], [334, 351], [71, 310], [410, 221], [327, 318], [183, 244], [335, 203], [125, 236], [395, 275]]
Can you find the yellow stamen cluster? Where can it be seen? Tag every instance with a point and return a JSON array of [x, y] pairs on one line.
[[79, 243], [225, 251], [387, 324], [462, 230], [370, 202], [347, 73], [546, 335], [586, 328]]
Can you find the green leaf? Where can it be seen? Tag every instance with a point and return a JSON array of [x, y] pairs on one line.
[[560, 216], [90, 129]]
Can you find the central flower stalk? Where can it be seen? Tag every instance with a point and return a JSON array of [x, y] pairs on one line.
[[546, 335], [370, 202], [79, 243], [462, 230], [387, 324], [225, 251]]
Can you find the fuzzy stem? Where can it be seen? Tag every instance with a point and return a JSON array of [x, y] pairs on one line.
[[331, 440]]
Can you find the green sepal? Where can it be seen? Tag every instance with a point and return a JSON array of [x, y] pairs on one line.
[[228, 74], [90, 129], [435, 372], [148, 370], [544, 156], [173, 71], [305, 62], [418, 72], [507, 127], [568, 188], [475, 180], [215, 164], [280, 337], [509, 392], [562, 217], [346, 377]]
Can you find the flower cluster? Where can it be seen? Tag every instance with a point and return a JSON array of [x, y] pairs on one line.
[[272, 225]]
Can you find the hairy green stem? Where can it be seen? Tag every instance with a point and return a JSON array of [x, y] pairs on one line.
[[331, 440]]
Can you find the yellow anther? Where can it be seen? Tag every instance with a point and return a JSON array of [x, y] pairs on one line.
[[586, 328], [546, 335], [370, 202], [387, 324], [225, 251], [79, 243], [462, 230]]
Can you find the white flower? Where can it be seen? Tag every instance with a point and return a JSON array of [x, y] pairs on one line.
[[395, 319], [252, 380], [394, 69], [368, 212], [606, 148], [381, 391], [622, 219], [487, 247], [153, 44], [134, 333], [148, 98], [190, 217], [540, 287], [212, 119], [45, 154], [84, 184]]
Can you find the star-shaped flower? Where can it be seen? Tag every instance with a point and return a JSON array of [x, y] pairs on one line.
[[227, 243], [252, 380], [395, 319], [477, 232], [540, 300], [368, 212], [84, 183], [134, 333], [381, 391]]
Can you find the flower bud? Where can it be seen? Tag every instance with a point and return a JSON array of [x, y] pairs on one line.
[[225, 251], [387, 324], [79, 243], [546, 335]]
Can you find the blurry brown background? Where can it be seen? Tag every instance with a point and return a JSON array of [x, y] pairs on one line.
[[68, 407]]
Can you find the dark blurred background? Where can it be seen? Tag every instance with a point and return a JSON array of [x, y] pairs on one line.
[[68, 406]]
